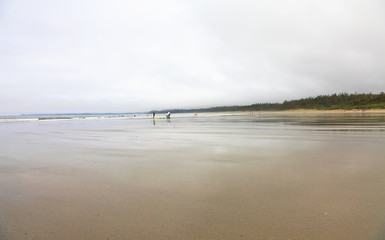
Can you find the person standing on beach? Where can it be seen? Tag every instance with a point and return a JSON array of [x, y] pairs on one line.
[[153, 115], [168, 115]]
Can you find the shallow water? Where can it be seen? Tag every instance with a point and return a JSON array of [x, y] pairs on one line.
[[269, 176]]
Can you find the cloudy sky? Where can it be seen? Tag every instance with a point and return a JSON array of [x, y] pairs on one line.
[[122, 56]]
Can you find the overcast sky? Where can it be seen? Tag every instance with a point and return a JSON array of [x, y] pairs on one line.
[[123, 56]]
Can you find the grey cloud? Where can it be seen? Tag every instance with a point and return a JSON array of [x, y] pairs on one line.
[[138, 56]]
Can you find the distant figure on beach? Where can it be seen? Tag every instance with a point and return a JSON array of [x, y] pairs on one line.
[[168, 115], [153, 115]]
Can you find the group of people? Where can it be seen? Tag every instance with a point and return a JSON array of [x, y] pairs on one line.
[[168, 115]]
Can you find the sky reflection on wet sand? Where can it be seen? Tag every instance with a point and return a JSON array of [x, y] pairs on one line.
[[268, 176]]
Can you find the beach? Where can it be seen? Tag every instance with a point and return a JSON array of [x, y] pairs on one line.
[[260, 176]]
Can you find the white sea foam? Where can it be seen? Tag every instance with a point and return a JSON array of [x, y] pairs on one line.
[[69, 117], [10, 120]]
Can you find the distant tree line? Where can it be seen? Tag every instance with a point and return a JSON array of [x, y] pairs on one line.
[[343, 101], [338, 101]]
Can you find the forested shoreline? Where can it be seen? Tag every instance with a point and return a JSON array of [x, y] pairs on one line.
[[342, 101]]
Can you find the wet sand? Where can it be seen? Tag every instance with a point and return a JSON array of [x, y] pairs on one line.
[[268, 176]]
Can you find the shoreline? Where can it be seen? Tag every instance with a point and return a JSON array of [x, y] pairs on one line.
[[326, 111], [307, 111], [296, 111]]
